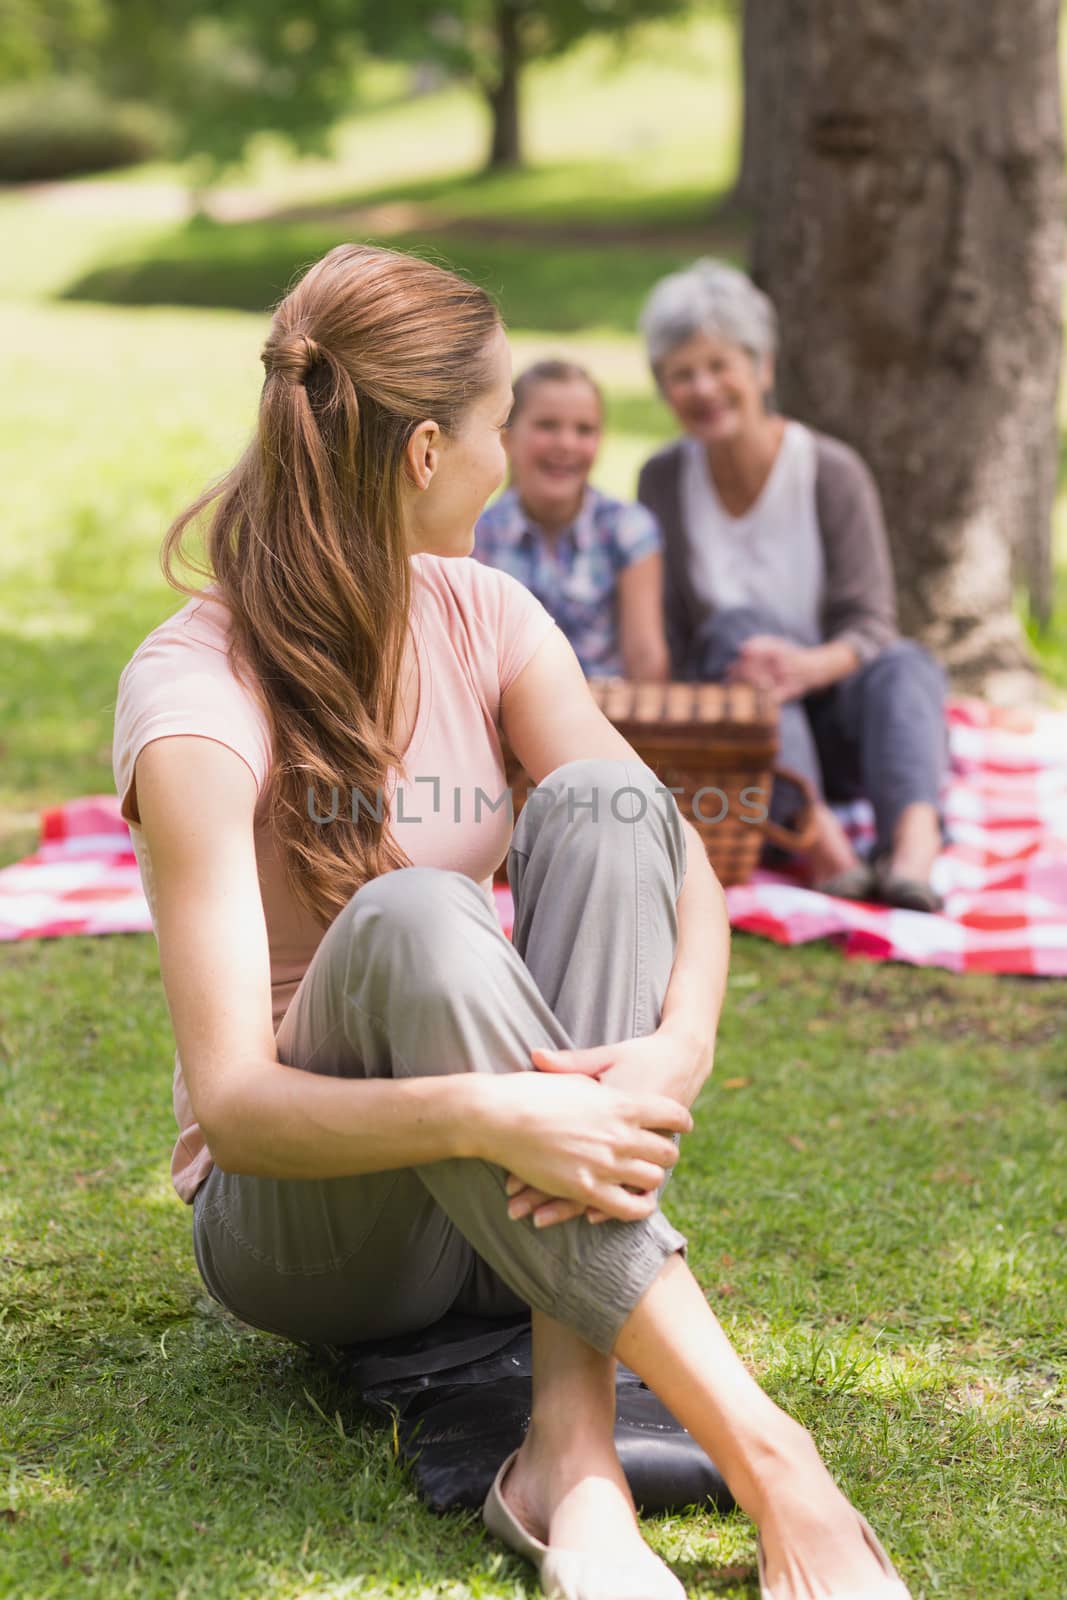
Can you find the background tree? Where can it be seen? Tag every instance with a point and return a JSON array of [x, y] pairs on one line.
[[755, 22], [227, 70], [911, 232], [489, 42], [221, 72]]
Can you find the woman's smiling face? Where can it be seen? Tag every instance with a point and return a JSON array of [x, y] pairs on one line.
[[714, 387]]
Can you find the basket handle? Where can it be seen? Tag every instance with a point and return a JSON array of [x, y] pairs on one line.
[[800, 834]]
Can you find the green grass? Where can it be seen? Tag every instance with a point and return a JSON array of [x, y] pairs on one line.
[[563, 288], [875, 1210], [874, 1191]]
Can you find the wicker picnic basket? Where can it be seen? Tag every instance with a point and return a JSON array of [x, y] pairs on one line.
[[716, 738]]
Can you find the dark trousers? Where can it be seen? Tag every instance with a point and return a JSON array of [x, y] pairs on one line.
[[878, 733]]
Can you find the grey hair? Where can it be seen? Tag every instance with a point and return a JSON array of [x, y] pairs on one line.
[[708, 297]]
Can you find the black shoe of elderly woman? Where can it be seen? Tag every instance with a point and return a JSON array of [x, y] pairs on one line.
[[906, 894], [854, 883]]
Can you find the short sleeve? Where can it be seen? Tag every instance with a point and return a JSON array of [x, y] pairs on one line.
[[522, 623], [506, 618], [636, 535], [178, 685]]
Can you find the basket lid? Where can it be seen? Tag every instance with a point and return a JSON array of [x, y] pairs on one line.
[[687, 712]]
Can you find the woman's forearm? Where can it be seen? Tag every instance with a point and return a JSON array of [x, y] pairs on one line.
[[275, 1121], [831, 662], [694, 999]]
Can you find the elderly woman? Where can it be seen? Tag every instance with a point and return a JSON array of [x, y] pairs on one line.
[[777, 574]]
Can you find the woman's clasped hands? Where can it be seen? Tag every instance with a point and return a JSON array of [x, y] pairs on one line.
[[777, 665], [596, 1139]]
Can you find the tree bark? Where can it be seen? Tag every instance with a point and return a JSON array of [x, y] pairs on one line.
[[502, 94], [911, 233], [761, 95]]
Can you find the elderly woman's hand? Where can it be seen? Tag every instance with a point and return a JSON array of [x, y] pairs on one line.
[[769, 662]]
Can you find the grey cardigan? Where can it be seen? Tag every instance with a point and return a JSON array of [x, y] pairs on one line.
[[860, 604]]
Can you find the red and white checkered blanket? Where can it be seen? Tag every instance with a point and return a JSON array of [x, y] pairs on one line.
[[1003, 875], [82, 878]]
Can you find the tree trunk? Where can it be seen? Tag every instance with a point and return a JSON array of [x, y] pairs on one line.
[[502, 94], [911, 234], [761, 91]]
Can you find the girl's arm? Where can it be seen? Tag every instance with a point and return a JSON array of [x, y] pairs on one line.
[[640, 600]]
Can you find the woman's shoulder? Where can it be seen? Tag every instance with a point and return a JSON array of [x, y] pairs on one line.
[[180, 680], [463, 583], [182, 675], [487, 618], [664, 462], [201, 624], [836, 463]]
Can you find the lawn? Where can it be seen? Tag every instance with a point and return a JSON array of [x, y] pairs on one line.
[[873, 1194]]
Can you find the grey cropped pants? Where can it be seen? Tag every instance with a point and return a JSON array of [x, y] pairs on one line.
[[415, 976], [879, 733]]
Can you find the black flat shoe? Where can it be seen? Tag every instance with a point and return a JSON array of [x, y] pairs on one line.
[[855, 883], [906, 894]]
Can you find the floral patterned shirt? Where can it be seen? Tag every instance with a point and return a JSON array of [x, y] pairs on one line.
[[576, 576]]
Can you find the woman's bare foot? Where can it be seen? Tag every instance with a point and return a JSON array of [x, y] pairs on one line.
[[814, 1546], [576, 1497], [832, 851], [813, 1541], [566, 1485], [916, 842]]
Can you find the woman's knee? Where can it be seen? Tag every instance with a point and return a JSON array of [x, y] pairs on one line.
[[612, 794], [597, 779], [904, 663], [417, 919]]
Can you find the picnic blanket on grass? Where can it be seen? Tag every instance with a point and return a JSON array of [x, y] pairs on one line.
[[1003, 874]]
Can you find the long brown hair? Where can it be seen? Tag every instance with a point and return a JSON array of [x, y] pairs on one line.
[[307, 547]]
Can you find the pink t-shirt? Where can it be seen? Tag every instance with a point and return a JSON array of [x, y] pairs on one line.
[[475, 629]]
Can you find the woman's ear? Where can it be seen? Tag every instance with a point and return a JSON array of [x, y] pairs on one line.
[[422, 456]]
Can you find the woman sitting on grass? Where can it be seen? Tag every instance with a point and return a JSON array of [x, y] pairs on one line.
[[777, 574], [592, 561], [387, 1111]]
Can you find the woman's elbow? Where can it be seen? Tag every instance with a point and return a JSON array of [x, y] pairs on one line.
[[224, 1148], [662, 673], [650, 663], [220, 1123]]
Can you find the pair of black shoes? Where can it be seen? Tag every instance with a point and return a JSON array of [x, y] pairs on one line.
[[873, 880]]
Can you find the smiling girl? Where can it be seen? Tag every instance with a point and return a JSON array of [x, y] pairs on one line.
[[592, 561]]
